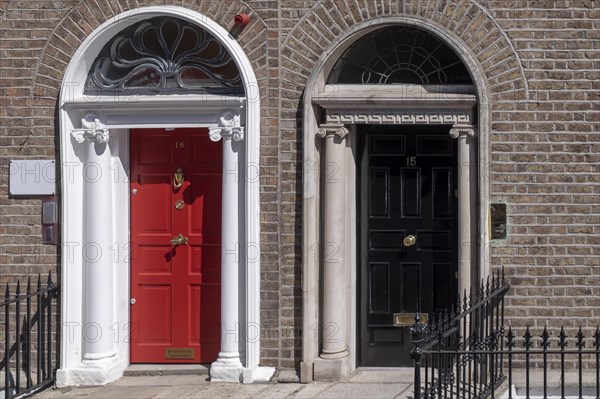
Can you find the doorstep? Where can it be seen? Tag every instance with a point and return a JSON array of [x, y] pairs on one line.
[[166, 369]]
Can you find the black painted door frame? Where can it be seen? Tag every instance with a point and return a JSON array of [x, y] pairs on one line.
[[406, 185]]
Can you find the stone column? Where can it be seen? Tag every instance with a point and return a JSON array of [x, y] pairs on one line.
[[228, 366], [333, 361], [98, 296], [465, 135]]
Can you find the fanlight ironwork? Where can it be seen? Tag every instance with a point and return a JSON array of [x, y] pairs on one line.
[[165, 54], [399, 54]]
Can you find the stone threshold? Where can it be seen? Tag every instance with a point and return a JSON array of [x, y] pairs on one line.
[[140, 370]]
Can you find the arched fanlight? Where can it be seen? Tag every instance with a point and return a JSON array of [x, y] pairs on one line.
[[399, 54], [164, 54]]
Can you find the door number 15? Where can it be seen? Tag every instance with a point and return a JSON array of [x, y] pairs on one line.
[[411, 161]]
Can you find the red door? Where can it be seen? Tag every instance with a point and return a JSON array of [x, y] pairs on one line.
[[176, 252]]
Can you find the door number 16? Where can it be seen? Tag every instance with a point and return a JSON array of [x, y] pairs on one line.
[[411, 161]]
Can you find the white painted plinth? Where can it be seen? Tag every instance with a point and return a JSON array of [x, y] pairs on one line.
[[257, 374], [97, 372], [227, 368]]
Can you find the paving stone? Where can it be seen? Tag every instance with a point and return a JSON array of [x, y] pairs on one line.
[[229, 390], [344, 390], [404, 374], [71, 392], [179, 391], [277, 391], [124, 392], [311, 390]]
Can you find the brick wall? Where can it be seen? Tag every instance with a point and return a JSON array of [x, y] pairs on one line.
[[27, 131], [545, 164], [540, 60]]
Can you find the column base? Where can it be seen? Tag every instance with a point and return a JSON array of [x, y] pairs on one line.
[[338, 354], [331, 369], [227, 368], [91, 372], [306, 372]]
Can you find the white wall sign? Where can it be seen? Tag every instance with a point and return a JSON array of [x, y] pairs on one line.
[[32, 177]]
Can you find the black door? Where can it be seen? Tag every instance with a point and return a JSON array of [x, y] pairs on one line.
[[407, 183]]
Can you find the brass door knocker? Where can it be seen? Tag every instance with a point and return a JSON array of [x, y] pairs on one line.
[[178, 178]]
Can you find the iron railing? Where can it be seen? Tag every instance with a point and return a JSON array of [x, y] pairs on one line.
[[539, 357], [468, 353], [30, 337]]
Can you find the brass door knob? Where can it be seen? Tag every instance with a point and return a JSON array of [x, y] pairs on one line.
[[179, 240], [409, 240]]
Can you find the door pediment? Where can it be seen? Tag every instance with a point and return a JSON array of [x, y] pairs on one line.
[[156, 111], [398, 104]]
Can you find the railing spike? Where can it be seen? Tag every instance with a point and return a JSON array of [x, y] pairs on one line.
[[39, 283], [510, 338], [18, 287], [474, 339], [527, 344], [6, 293], [29, 285], [498, 279], [446, 319], [580, 337], [545, 338], [563, 338], [49, 278]]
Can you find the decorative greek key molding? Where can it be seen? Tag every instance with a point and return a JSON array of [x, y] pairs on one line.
[[352, 117], [229, 126], [330, 128], [460, 130], [91, 129]]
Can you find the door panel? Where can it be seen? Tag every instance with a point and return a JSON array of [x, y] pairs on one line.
[[155, 314], [176, 287], [407, 184]]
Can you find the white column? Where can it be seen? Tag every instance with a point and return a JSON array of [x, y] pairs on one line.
[[98, 295], [333, 362], [465, 135], [228, 366]]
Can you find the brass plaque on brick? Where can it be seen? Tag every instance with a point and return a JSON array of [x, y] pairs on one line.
[[408, 319], [179, 353]]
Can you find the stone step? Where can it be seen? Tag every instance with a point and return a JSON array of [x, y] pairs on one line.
[[138, 370]]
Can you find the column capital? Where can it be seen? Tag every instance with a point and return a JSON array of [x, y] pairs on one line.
[[462, 130], [332, 129], [91, 129], [229, 126]]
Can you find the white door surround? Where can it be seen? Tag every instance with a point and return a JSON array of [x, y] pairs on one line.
[[329, 109], [94, 150]]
